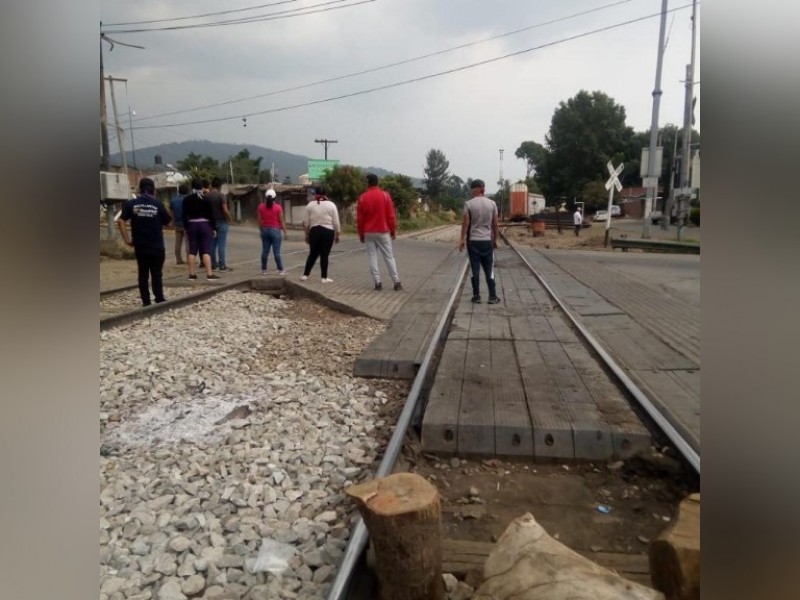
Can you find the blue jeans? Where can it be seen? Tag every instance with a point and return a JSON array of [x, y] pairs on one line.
[[220, 243], [481, 255], [271, 238]]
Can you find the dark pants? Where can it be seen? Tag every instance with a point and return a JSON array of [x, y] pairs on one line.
[[150, 266], [577, 229], [320, 242], [481, 255]]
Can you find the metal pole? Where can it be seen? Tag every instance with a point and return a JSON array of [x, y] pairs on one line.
[[502, 187], [651, 159], [120, 130], [104, 160], [133, 147], [687, 129]]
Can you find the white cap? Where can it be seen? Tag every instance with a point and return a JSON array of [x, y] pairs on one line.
[[270, 193]]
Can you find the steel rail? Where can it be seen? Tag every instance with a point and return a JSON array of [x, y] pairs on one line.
[[358, 538], [689, 453]]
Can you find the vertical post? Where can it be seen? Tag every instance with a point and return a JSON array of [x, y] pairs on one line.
[[502, 187], [687, 129], [104, 161], [133, 147], [651, 160], [608, 215], [120, 130]]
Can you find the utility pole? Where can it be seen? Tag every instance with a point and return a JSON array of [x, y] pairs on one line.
[[120, 130], [325, 144], [130, 128], [671, 202], [652, 188], [104, 161], [687, 131], [502, 184]]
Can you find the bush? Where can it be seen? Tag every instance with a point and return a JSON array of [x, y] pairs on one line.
[[694, 216]]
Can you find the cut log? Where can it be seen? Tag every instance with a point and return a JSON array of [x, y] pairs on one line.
[[528, 564], [675, 555], [403, 515]]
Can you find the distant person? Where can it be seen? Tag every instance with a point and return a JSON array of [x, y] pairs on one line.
[[321, 224], [222, 216], [577, 219], [200, 226], [148, 218], [479, 234], [176, 206], [377, 226], [270, 221]]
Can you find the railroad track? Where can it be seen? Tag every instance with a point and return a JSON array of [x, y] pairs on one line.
[[352, 562]]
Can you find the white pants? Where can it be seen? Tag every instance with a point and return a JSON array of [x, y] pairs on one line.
[[380, 242]]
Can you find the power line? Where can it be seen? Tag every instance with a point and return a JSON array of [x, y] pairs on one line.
[[383, 67], [422, 78], [256, 19], [212, 14]]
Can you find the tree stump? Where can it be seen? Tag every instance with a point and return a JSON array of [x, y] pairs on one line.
[[403, 515], [675, 555]]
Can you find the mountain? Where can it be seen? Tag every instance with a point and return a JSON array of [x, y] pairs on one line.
[[286, 163]]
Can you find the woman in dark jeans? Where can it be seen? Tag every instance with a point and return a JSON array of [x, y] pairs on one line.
[[270, 220], [322, 228]]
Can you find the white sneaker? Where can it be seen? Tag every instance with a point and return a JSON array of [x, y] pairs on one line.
[[263, 272], [304, 277], [283, 272], [327, 280]]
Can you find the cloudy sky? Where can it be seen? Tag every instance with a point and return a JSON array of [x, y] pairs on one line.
[[271, 65]]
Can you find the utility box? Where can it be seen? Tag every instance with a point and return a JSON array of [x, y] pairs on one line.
[[114, 187]]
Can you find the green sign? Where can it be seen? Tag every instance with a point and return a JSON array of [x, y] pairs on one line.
[[318, 168]]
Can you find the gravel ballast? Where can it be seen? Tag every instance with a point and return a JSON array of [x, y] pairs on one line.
[[229, 430]]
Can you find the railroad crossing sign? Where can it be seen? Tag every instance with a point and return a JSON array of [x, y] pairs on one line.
[[613, 180]]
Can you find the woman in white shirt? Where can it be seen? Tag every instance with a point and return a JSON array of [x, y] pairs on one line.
[[322, 228]]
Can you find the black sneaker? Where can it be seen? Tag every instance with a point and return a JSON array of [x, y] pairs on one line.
[[160, 301], [398, 286], [213, 277], [378, 286], [476, 299], [225, 269], [494, 300], [192, 276]]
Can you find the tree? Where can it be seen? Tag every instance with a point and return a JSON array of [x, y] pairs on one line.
[[454, 193], [344, 184], [436, 174], [534, 154], [245, 169], [265, 176], [585, 133], [198, 166], [402, 191], [594, 196]]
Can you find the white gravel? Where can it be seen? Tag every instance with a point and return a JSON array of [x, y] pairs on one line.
[[227, 428]]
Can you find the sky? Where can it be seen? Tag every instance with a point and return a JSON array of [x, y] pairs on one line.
[[470, 114]]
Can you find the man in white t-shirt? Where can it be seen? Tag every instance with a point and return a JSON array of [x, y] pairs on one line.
[[479, 228], [577, 219]]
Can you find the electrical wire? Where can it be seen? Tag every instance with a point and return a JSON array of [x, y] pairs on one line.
[[200, 16], [383, 67], [256, 19], [422, 78]]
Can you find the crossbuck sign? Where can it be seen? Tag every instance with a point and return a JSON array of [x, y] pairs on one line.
[[613, 180]]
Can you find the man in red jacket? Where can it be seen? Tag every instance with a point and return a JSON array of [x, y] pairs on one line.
[[377, 226]]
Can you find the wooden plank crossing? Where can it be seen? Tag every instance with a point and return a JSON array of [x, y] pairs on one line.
[[398, 351], [515, 380]]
